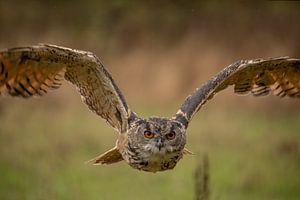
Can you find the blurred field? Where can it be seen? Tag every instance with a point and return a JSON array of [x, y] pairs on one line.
[[253, 155], [158, 53]]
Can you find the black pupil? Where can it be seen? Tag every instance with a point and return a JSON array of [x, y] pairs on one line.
[[147, 133], [171, 135]]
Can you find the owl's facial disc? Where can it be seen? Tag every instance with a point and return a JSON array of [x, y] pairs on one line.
[[157, 141], [154, 144], [161, 136]]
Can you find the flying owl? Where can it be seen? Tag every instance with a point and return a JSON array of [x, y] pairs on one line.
[[154, 144]]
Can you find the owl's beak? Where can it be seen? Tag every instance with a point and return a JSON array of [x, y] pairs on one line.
[[159, 143]]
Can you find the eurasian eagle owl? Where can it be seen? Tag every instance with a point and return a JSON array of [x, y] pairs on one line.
[[154, 144]]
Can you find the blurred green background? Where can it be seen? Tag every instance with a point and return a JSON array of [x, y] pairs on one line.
[[158, 53]]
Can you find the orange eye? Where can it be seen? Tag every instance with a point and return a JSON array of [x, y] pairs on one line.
[[148, 134], [171, 135]]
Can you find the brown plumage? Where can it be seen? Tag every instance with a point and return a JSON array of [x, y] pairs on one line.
[[154, 144], [281, 76], [33, 71]]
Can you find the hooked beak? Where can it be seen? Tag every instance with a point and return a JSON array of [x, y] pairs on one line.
[[159, 143]]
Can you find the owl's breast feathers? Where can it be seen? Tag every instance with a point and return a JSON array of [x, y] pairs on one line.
[[148, 161], [152, 162]]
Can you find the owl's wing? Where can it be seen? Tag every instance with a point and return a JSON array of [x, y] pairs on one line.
[[33, 71], [281, 76]]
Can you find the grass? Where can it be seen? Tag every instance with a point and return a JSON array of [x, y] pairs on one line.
[[43, 147]]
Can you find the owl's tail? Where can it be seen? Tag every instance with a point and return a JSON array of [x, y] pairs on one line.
[[187, 152], [111, 156]]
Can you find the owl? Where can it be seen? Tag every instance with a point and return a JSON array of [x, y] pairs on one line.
[[154, 144]]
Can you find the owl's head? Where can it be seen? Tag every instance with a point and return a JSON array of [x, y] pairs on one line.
[[155, 144], [158, 135]]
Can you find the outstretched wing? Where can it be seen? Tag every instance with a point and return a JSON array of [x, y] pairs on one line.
[[33, 71], [281, 76]]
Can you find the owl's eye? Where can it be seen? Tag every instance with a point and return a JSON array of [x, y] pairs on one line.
[[148, 134], [171, 135]]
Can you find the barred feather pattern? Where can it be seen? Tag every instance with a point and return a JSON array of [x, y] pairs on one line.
[[281, 81], [22, 76], [281, 76], [33, 71]]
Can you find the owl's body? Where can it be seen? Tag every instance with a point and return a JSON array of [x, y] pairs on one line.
[[154, 144]]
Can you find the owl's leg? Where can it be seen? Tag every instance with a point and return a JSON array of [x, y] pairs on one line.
[[111, 156]]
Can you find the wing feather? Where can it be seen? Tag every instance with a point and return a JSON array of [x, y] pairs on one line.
[[281, 76], [33, 71]]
